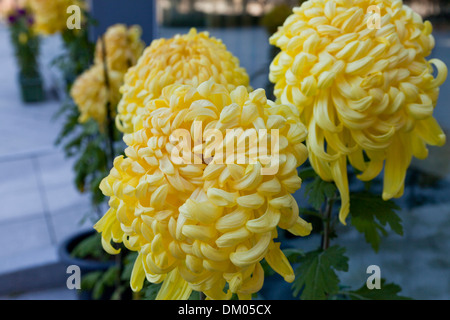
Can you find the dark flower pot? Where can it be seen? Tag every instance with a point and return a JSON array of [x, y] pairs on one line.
[[31, 88]]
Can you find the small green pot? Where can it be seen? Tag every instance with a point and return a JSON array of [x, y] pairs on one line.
[[31, 88]]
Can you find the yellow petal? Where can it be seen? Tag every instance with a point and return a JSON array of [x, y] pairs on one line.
[[105, 225], [265, 223], [398, 158], [278, 262], [233, 220], [373, 169], [137, 275], [174, 288], [255, 254], [252, 201], [232, 238], [253, 284], [430, 131], [339, 172], [301, 228]]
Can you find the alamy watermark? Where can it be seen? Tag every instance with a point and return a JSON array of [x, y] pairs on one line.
[[74, 280], [374, 280], [374, 21], [74, 20]]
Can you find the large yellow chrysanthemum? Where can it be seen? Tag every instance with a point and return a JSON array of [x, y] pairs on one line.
[[184, 59], [51, 15], [91, 94], [123, 47], [200, 225], [360, 90]]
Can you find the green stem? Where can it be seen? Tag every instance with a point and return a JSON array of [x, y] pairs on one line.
[[110, 145], [109, 120]]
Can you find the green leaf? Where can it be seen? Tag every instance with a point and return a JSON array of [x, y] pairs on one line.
[[307, 173], [370, 215], [318, 191], [98, 290], [388, 291], [89, 281], [195, 295], [90, 247], [294, 255], [107, 280], [110, 276], [315, 277], [69, 127]]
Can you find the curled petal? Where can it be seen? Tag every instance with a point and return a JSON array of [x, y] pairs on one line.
[[255, 254], [278, 262], [174, 288]]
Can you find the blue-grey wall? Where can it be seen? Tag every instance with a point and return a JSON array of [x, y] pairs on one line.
[[129, 12]]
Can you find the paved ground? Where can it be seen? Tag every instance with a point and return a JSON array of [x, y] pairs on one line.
[[41, 207]]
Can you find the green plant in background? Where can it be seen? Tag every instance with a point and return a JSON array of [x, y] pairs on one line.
[[81, 141], [91, 137], [92, 146], [111, 283], [86, 144], [78, 51], [52, 17], [25, 41], [317, 270], [89, 143], [26, 49]]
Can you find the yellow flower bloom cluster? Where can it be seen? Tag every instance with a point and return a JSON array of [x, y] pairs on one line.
[[202, 226], [91, 95], [51, 15], [366, 95], [123, 48], [184, 59]]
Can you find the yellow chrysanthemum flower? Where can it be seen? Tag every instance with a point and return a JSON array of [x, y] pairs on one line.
[[184, 59], [90, 92], [91, 95], [51, 15], [361, 91], [123, 47], [199, 224]]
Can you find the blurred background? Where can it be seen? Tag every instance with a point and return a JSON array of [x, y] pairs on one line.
[[41, 207]]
